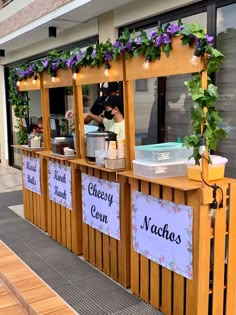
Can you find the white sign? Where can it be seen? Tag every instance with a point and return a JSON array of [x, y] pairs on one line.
[[101, 205], [59, 183], [31, 174], [162, 232]]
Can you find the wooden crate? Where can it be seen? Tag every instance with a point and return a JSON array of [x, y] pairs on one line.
[[212, 290], [35, 205], [65, 225], [104, 252]]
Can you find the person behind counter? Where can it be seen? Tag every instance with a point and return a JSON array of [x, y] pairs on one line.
[[107, 88], [114, 116]]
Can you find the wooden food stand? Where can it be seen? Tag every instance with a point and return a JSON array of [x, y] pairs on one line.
[[63, 224], [108, 254], [212, 287], [35, 204]]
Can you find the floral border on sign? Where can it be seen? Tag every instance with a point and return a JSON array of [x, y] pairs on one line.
[[101, 228], [61, 201], [175, 208]]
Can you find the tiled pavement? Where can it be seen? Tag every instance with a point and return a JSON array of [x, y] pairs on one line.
[[83, 287]]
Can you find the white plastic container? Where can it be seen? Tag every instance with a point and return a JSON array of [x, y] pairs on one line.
[[216, 170], [169, 152], [159, 170]]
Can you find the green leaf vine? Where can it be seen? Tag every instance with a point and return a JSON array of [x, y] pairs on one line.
[[133, 44]]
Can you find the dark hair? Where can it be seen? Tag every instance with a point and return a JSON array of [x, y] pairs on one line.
[[115, 101]]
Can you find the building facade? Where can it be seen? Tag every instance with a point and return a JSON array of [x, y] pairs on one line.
[[162, 105]]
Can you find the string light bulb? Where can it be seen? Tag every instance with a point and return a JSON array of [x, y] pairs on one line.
[[35, 78], [196, 58], [53, 78], [107, 68], [146, 64], [202, 146], [75, 72], [18, 83]]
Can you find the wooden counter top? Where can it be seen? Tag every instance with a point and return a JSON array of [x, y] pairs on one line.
[[49, 154], [83, 162], [26, 148], [182, 182]]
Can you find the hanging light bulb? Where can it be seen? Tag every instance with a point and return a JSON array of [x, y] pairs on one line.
[[53, 78], [75, 72], [18, 83], [35, 78], [196, 58], [146, 64], [107, 68], [202, 146]]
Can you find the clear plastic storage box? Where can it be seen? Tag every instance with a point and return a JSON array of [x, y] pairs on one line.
[[169, 152], [157, 170]]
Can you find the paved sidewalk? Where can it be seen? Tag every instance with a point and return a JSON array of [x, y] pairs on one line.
[[83, 287]]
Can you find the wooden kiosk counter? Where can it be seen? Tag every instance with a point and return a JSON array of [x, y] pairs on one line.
[[208, 285]]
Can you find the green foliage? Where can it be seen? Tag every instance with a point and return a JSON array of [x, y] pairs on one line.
[[205, 118]]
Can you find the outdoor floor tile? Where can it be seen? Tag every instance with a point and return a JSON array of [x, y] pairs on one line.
[[82, 286]]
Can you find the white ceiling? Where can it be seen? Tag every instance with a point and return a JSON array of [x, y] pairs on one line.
[[76, 14]]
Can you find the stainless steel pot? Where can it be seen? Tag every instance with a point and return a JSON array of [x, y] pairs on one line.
[[97, 140]]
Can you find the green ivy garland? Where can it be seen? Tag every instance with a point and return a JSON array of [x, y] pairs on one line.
[[150, 46]]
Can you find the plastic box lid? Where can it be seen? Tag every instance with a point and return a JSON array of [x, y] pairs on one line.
[[160, 146]]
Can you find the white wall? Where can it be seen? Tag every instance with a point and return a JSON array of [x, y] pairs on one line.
[[12, 8], [35, 103], [140, 9]]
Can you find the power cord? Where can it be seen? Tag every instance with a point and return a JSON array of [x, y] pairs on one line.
[[214, 204]]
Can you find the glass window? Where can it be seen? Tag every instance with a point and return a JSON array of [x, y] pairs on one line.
[[178, 102], [226, 82]]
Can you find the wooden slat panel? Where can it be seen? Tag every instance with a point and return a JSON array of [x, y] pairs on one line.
[[113, 244], [106, 245], [176, 63], [76, 215], [58, 221], [144, 262], [135, 259], [54, 220], [91, 230], [95, 75], [44, 192], [178, 286], [231, 262], [85, 227], [124, 245], [166, 274], [68, 220], [219, 257], [98, 237], [155, 268]]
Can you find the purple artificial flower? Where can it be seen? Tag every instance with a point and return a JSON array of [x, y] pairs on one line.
[[117, 44], [93, 53], [152, 35], [210, 39], [45, 63], [128, 45], [162, 39], [80, 55], [53, 66], [172, 29], [108, 56], [137, 40]]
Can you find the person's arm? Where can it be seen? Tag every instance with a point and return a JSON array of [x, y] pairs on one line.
[[98, 119]]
